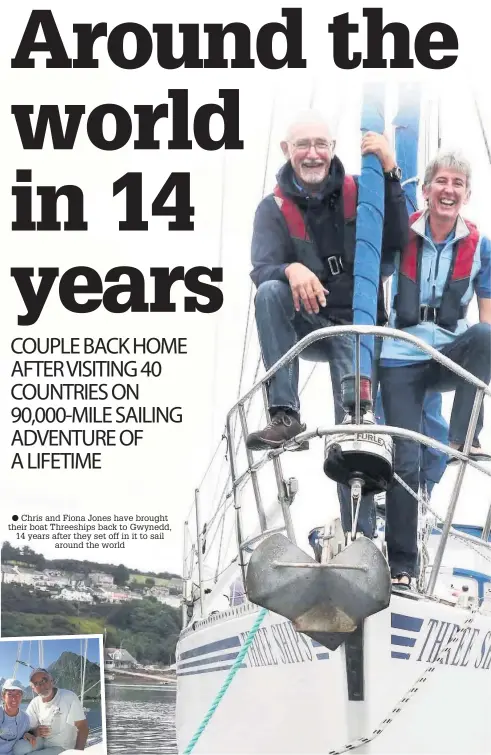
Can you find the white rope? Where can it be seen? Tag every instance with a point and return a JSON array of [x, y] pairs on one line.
[[248, 330], [413, 180], [91, 686], [483, 130], [439, 124]]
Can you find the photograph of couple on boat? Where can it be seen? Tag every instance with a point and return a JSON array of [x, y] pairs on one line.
[[54, 708], [380, 274]]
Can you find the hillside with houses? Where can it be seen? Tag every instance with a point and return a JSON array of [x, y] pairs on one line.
[[85, 581], [134, 610]]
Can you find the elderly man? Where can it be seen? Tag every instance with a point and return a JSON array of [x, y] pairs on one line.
[[446, 261], [14, 723], [302, 255], [56, 716]]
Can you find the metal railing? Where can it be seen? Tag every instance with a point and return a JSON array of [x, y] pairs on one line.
[[285, 497]]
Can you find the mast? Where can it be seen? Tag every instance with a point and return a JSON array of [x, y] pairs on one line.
[[199, 540], [406, 124], [17, 660], [81, 668], [84, 670], [369, 226], [184, 578]]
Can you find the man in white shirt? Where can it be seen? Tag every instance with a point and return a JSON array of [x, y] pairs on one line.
[[56, 717]]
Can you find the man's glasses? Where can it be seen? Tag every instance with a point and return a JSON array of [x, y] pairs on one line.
[[40, 681], [320, 145]]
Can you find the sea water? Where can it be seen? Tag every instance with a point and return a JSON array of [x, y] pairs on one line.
[[141, 719]]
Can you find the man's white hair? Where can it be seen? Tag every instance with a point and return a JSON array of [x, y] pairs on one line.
[[307, 117]]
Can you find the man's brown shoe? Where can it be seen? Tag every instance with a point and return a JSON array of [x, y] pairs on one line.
[[282, 428]]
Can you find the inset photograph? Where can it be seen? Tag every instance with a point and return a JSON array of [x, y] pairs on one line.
[[52, 695], [138, 614]]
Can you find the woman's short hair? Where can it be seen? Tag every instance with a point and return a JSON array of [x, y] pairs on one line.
[[452, 160]]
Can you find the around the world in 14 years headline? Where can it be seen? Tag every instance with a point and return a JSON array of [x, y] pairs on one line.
[[82, 289]]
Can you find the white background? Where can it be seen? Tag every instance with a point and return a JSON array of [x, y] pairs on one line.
[[160, 476]]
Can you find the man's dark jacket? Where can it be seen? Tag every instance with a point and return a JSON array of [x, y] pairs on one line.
[[331, 256]]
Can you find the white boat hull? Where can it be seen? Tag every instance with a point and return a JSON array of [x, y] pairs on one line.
[[290, 696]]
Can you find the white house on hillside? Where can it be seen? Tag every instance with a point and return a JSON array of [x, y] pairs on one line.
[[20, 575], [101, 579], [81, 596], [119, 658]]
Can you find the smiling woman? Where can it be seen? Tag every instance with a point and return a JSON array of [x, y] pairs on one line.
[[14, 723], [446, 189]]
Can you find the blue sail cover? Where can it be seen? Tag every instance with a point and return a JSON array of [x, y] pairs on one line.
[[369, 227], [406, 124]]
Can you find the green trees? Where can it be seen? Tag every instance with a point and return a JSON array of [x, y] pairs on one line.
[[24, 555], [146, 628], [27, 557], [121, 575]]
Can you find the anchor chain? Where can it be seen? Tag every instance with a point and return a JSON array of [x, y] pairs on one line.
[[400, 705]]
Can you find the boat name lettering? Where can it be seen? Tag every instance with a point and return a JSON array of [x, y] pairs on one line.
[[471, 649], [277, 644]]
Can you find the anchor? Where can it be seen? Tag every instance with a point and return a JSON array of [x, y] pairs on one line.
[[330, 599]]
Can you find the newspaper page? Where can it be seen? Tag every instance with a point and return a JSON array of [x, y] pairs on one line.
[[196, 557]]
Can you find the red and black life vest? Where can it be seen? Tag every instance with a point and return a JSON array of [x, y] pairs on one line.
[[336, 270], [294, 218], [304, 246], [407, 302]]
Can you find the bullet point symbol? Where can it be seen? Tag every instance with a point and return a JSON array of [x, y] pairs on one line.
[[15, 518]]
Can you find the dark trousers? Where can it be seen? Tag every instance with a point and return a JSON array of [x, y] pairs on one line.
[[403, 395], [279, 328]]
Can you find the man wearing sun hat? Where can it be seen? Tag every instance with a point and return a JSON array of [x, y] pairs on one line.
[[14, 723], [56, 717]]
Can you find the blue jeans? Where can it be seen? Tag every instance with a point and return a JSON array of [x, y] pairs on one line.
[[280, 327], [434, 425], [433, 462], [22, 747], [403, 394]]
